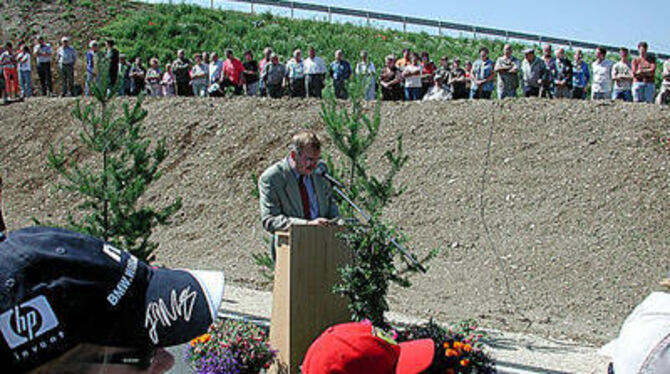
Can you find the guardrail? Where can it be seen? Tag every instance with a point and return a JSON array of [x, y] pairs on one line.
[[440, 25]]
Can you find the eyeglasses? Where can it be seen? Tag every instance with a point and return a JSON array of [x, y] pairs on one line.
[[140, 358]]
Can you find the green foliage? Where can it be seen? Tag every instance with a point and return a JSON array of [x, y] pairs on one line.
[[353, 130], [123, 167], [162, 29]]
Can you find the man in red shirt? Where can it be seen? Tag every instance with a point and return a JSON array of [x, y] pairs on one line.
[[232, 73], [644, 72]]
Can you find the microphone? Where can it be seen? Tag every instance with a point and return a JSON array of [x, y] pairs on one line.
[[322, 170]]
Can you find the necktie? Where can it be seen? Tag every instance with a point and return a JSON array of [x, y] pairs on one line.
[[304, 196]]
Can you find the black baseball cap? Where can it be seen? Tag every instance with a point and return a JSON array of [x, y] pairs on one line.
[[60, 288]]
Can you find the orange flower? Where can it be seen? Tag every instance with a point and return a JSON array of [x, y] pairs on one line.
[[458, 345], [465, 362], [446, 345], [201, 339], [467, 348], [451, 353]]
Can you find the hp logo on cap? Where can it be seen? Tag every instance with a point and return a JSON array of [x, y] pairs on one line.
[[27, 321]]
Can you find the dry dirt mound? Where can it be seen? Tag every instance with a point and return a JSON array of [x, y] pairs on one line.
[[575, 196]]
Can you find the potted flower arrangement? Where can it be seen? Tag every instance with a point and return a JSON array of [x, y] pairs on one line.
[[231, 346], [459, 348]]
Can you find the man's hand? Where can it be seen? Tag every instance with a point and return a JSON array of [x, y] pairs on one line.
[[319, 222]]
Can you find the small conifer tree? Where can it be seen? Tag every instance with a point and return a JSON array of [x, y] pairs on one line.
[[123, 166]]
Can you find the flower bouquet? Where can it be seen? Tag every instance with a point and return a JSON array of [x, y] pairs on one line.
[[458, 349], [231, 347]]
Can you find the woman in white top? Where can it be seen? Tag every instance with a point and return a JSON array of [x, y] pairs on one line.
[[153, 78], [25, 81], [366, 69], [412, 75]]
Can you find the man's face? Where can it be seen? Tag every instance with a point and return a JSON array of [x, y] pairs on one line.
[[483, 54], [546, 50], [444, 62], [642, 49], [298, 56], [180, 54], [599, 55], [306, 161], [560, 53], [507, 50], [530, 57], [312, 53], [578, 55], [624, 55], [162, 362], [338, 55]]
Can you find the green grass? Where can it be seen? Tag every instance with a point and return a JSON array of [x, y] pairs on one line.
[[160, 30]]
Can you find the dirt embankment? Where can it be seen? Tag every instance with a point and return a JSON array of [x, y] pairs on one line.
[[575, 198]]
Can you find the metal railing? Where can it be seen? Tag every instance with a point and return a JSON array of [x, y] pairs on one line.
[[439, 25]]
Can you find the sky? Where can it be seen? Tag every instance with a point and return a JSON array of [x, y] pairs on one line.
[[612, 22]]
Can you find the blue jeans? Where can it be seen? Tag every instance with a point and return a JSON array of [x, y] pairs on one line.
[[412, 93], [26, 83], [643, 92], [502, 93], [625, 95], [601, 95]]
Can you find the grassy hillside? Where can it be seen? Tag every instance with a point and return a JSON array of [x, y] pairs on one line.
[[160, 30]]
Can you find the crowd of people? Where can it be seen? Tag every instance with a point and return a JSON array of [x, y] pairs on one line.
[[414, 76]]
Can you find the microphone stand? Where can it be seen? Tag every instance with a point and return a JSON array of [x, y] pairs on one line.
[[337, 187]]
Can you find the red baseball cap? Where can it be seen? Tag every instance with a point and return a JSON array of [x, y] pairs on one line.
[[360, 348]]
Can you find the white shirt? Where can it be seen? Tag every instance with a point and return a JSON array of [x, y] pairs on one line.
[[24, 61], [314, 66], [362, 68], [601, 73], [45, 50], [215, 69], [413, 81]]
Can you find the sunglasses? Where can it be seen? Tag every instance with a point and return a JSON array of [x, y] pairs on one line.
[[140, 359]]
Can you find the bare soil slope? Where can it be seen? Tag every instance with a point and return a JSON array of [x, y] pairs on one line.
[[575, 197]]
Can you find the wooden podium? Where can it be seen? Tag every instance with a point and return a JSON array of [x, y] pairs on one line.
[[303, 304]]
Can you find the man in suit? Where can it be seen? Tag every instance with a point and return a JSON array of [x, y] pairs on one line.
[[290, 191]]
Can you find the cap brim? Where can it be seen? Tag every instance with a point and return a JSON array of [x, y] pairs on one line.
[[415, 356], [181, 305]]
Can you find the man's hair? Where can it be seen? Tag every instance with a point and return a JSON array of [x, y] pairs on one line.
[[305, 139], [483, 49], [643, 44], [602, 50], [110, 42], [624, 50], [247, 52]]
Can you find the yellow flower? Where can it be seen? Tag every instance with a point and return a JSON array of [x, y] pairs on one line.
[[458, 345], [467, 348], [451, 353], [465, 362]]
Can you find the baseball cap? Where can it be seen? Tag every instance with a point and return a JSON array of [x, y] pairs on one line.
[[643, 344], [528, 50], [60, 288], [360, 348]]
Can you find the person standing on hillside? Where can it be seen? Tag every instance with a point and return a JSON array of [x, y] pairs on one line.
[[601, 88], [233, 70], [482, 76], [3, 94], [366, 69], [390, 80], [315, 74], [428, 69], [664, 96], [11, 75], [547, 87], [92, 68], [112, 56], [404, 60], [581, 75], [340, 72], [644, 73], [168, 82], [273, 76], [43, 52], [534, 72], [622, 75], [412, 75], [457, 81], [66, 57], [25, 76], [124, 74], [267, 52], [444, 68], [295, 73], [137, 74], [181, 68], [199, 76], [251, 74], [153, 78], [507, 68], [291, 193], [562, 76]]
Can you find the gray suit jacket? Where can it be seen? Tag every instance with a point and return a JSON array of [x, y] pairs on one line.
[[281, 205]]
